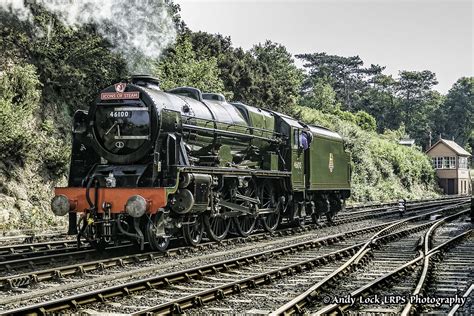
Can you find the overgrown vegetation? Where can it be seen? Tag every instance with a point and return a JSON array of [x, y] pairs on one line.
[[382, 169], [407, 101]]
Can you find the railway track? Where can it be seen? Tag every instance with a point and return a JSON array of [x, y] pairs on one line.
[[446, 275], [19, 251], [62, 253], [25, 240], [31, 236], [91, 265], [306, 259], [37, 254], [387, 282]]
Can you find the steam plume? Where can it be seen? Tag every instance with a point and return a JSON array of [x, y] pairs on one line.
[[138, 29]]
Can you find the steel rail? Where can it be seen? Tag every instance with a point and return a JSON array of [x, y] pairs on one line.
[[38, 260], [193, 273], [74, 253], [30, 238], [25, 279], [466, 294], [427, 263], [297, 304], [20, 249], [17, 251], [424, 257], [182, 276], [38, 276], [410, 202], [219, 292], [400, 271]]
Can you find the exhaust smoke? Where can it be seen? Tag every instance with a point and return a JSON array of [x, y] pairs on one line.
[[139, 30]]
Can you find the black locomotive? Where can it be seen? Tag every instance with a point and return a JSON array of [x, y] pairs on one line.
[[150, 165]]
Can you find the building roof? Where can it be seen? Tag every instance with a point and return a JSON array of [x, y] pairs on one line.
[[453, 146], [407, 142]]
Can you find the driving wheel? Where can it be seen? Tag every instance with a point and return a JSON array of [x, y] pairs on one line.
[[269, 221]]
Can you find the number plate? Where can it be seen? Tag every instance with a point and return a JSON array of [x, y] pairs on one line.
[[120, 114]]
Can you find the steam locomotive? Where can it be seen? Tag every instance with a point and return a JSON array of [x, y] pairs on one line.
[[149, 166]]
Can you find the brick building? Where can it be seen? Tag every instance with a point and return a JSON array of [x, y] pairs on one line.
[[451, 162]]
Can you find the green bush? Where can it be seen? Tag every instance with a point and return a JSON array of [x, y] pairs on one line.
[[19, 99], [366, 121], [20, 137], [55, 151], [382, 169]]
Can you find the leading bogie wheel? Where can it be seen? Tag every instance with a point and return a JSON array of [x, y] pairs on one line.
[[157, 240], [192, 232]]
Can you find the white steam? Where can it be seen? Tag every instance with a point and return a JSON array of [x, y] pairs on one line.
[[138, 29]]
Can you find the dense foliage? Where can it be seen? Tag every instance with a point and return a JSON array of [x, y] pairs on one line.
[[382, 169], [182, 67], [264, 76], [408, 101]]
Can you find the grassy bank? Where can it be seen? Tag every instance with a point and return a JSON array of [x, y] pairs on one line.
[[382, 169]]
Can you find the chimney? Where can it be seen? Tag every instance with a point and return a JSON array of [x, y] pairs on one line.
[[429, 142]]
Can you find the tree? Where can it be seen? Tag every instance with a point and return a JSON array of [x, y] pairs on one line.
[[264, 76], [19, 99], [455, 116], [415, 85], [346, 75], [238, 68], [418, 103], [366, 121], [181, 67], [72, 64], [380, 101], [321, 97], [278, 77]]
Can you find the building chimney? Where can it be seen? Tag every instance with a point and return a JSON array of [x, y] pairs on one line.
[[429, 142]]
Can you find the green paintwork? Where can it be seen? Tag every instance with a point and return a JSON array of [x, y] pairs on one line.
[[270, 161], [294, 157], [263, 122], [225, 156], [320, 176], [297, 161]]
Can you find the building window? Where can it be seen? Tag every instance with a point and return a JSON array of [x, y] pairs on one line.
[[444, 162], [438, 162], [462, 162], [449, 162]]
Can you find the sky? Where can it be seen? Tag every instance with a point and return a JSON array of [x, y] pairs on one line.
[[434, 35]]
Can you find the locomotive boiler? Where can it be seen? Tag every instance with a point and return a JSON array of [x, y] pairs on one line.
[[149, 165]]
